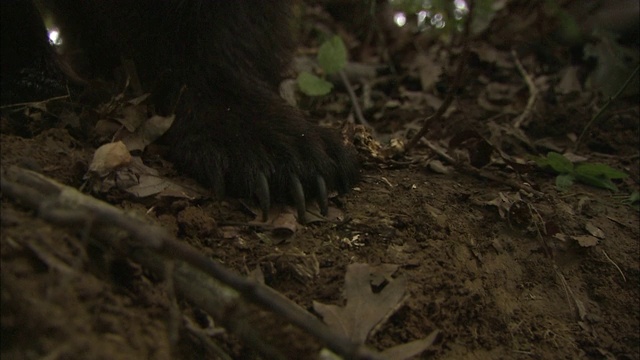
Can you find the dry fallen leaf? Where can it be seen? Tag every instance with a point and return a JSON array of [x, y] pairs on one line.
[[429, 71], [503, 202], [109, 157], [569, 82], [148, 185], [116, 168], [147, 132], [586, 240], [283, 218], [364, 309], [133, 116], [413, 348], [594, 230]]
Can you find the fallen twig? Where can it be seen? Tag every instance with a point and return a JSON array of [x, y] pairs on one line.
[[616, 265], [466, 168], [195, 276], [34, 103], [533, 93], [605, 107], [354, 99]]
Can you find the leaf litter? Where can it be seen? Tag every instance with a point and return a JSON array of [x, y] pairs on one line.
[[492, 274]]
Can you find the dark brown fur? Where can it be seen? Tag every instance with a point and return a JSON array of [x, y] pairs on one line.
[[231, 125]]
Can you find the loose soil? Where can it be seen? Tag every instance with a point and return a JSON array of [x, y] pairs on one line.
[[501, 271]]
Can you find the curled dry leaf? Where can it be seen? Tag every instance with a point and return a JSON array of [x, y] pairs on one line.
[[133, 116], [108, 157], [148, 132], [438, 167], [503, 202], [586, 240], [594, 230]]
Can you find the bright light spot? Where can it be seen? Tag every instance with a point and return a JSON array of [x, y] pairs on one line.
[[460, 5], [438, 21], [422, 16], [400, 19], [54, 37], [461, 9]]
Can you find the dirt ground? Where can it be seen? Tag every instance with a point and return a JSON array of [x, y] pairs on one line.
[[497, 260]]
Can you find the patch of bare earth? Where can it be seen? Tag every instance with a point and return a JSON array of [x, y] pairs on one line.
[[495, 262], [494, 290]]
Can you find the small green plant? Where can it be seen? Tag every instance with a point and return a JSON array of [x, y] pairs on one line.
[[594, 174], [332, 58]]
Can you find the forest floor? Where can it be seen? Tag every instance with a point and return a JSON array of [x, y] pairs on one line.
[[492, 262]]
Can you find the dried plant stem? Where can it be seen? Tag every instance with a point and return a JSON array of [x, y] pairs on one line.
[[605, 107]]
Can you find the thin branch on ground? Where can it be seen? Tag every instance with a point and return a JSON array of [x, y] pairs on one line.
[[354, 100], [490, 176], [605, 107], [33, 103], [616, 265], [151, 246], [440, 151], [466, 168], [533, 93], [580, 311]]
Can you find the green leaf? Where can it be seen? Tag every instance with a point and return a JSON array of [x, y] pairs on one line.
[[559, 163], [597, 181], [332, 55], [598, 169], [633, 200], [564, 181], [313, 85], [541, 161]]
